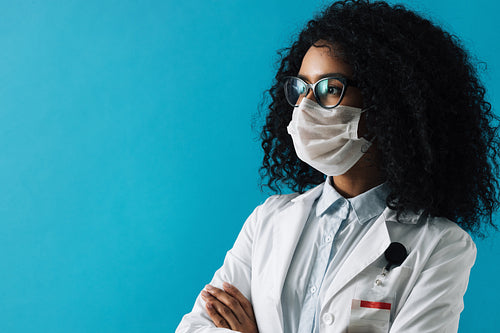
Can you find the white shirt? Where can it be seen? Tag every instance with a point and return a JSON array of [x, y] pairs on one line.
[[334, 227]]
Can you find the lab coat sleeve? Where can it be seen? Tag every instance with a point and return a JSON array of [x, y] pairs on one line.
[[236, 270], [436, 300]]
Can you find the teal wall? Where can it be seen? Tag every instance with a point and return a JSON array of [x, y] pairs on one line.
[[125, 177]]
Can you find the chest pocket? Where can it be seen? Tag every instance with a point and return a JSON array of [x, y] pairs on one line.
[[376, 298]]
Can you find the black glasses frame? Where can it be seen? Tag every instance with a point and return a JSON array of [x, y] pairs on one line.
[[345, 82]]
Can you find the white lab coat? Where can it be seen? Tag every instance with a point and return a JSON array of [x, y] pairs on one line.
[[425, 291]]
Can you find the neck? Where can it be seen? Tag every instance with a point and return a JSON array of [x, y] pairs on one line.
[[364, 175]]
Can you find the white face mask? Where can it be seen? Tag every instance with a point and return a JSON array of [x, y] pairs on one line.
[[327, 139]]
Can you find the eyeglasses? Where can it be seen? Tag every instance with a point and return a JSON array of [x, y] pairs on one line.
[[328, 91]]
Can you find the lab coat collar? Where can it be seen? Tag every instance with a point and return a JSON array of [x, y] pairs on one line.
[[404, 217], [309, 195]]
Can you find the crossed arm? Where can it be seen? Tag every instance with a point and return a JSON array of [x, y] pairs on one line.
[[228, 308]]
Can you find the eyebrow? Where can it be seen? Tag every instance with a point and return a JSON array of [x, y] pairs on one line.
[[325, 75]]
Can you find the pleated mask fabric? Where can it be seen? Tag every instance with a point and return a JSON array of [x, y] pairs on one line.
[[327, 139]]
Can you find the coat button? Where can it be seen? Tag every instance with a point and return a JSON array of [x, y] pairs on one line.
[[328, 318], [313, 289]]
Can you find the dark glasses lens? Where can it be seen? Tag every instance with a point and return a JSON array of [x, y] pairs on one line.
[[295, 90], [328, 91]]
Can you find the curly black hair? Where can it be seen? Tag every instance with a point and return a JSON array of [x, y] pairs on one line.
[[436, 133]]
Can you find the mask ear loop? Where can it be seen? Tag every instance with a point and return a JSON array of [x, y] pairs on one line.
[[368, 108], [370, 137], [367, 146]]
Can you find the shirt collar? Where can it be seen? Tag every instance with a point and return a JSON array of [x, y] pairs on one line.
[[328, 197], [365, 206]]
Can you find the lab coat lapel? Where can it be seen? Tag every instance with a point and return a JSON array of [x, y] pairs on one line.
[[289, 224], [288, 230], [370, 248]]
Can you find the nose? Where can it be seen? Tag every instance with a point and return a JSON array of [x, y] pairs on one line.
[[310, 95]]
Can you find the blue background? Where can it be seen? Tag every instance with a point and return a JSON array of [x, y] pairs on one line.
[[128, 162]]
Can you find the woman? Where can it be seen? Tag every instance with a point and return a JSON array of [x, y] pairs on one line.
[[383, 115]]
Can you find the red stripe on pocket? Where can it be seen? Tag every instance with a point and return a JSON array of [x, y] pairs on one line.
[[375, 305]]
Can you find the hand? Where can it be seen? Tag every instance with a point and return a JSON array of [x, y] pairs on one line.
[[228, 308]]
